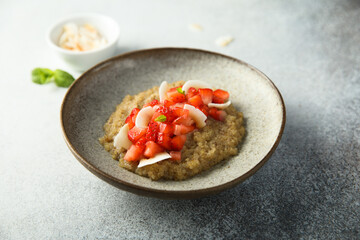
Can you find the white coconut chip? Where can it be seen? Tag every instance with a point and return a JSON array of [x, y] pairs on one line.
[[195, 27], [220, 105], [144, 116], [162, 91], [223, 41], [121, 140], [159, 157], [80, 38], [195, 84]]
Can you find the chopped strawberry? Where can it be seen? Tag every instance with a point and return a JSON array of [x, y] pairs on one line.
[[174, 96], [178, 105], [219, 115], [166, 128], [136, 133], [178, 142], [141, 142], [152, 131], [182, 129], [167, 112], [155, 116], [134, 153], [168, 103], [206, 95], [191, 92], [179, 112], [151, 149], [204, 109], [220, 96], [135, 111], [164, 140], [196, 101], [130, 120], [184, 120], [175, 155], [152, 103]]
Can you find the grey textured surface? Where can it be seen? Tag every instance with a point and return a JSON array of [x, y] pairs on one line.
[[308, 189]]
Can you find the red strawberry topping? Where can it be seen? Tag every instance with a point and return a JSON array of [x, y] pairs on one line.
[[136, 133], [178, 142], [170, 122], [206, 95], [151, 149], [220, 96]]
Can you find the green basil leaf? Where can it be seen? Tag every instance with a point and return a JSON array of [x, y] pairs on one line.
[[62, 78], [179, 90], [42, 75], [161, 118]]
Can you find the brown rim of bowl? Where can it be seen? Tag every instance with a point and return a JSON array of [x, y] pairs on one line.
[[165, 194]]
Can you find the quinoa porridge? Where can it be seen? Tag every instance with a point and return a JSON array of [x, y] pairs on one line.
[[204, 146]]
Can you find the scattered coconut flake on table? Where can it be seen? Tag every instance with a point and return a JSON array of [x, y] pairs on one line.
[[224, 41], [81, 38], [195, 27]]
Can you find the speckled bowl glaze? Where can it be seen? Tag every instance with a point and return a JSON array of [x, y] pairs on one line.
[[94, 96]]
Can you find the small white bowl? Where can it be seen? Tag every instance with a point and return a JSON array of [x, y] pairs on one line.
[[82, 61]]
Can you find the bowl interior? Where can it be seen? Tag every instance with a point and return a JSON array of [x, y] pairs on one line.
[[106, 26], [94, 96]]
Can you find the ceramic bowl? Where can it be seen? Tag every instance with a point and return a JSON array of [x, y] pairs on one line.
[[82, 61], [93, 97]]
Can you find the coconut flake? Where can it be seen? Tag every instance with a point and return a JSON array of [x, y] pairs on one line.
[[220, 105], [195, 84], [81, 38], [195, 27], [159, 157], [121, 139], [197, 115], [224, 41], [144, 116], [162, 91]]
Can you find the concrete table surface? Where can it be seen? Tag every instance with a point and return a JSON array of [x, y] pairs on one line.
[[309, 189]]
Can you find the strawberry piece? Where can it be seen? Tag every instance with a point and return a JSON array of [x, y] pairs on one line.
[[130, 120], [136, 133], [182, 129], [178, 105], [167, 112], [164, 140], [179, 112], [151, 149], [155, 116], [175, 155], [168, 103], [174, 96], [196, 101], [220, 96], [141, 142], [152, 131], [187, 121], [216, 114], [178, 142], [166, 128], [205, 109], [206, 95], [134, 112], [134, 153], [152, 103], [191, 92]]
